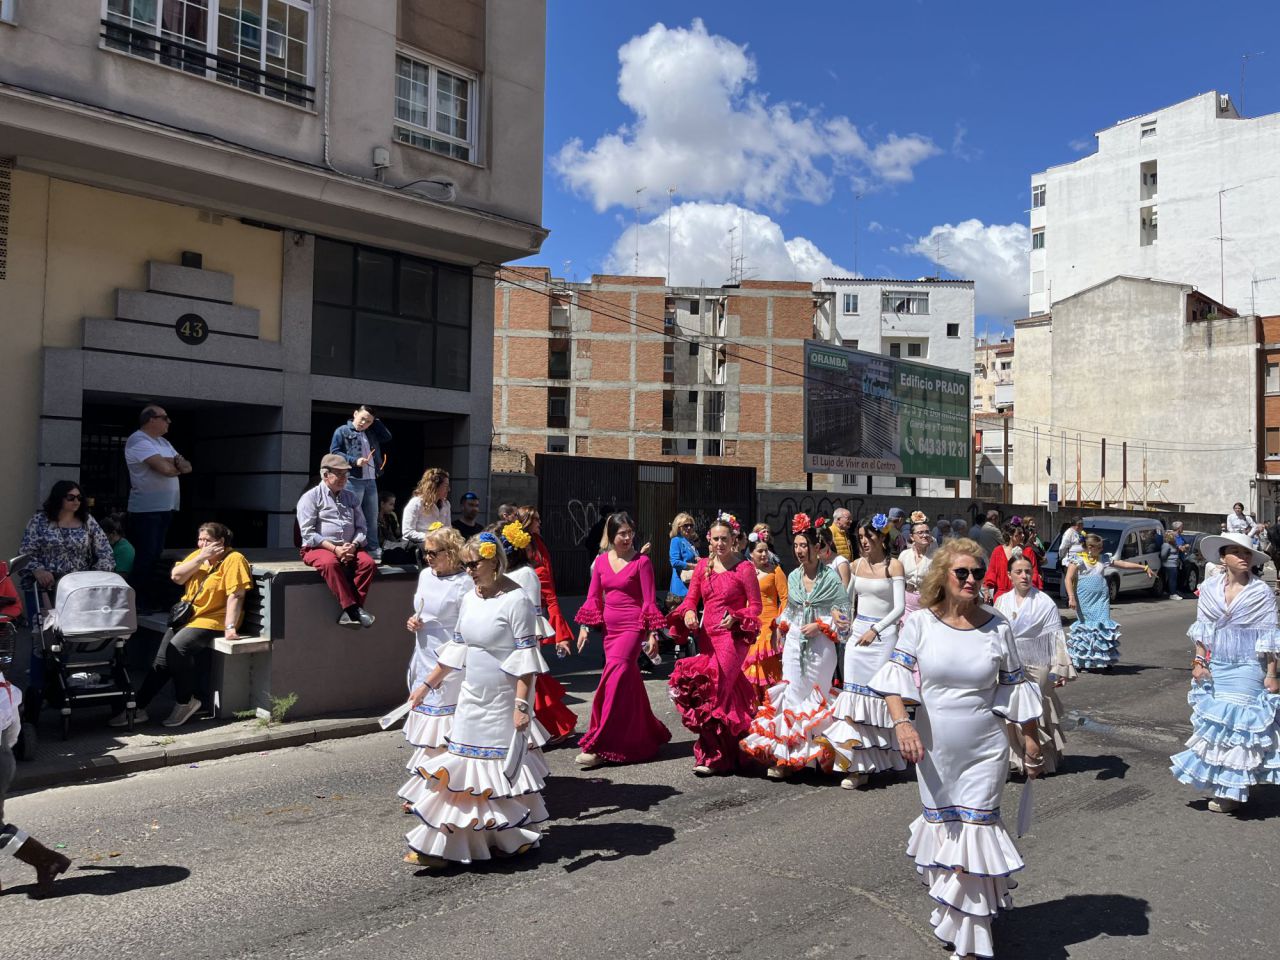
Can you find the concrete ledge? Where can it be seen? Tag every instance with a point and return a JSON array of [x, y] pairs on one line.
[[242, 646], [59, 773]]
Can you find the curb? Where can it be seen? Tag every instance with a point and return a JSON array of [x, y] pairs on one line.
[[273, 738]]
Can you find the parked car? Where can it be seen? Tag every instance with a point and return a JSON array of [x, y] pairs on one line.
[[1192, 573], [1136, 539]]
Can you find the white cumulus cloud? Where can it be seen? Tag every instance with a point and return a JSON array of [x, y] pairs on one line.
[[994, 256], [702, 126], [707, 237]]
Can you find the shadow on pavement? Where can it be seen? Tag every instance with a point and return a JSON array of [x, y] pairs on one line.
[[1264, 804], [592, 795], [1043, 931], [108, 880], [1130, 669], [1109, 767]]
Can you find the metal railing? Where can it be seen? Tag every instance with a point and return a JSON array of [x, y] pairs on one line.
[[198, 60]]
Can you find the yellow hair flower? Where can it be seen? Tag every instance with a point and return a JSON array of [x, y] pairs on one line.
[[488, 551], [516, 535], [436, 525]]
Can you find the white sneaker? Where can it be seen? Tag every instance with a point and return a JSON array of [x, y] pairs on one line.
[[854, 782], [587, 760], [182, 712], [121, 719], [1224, 805], [1175, 596], [776, 773]]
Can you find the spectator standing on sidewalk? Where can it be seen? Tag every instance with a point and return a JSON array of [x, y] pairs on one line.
[[333, 540], [468, 522], [1238, 521], [1170, 564], [989, 534], [154, 468], [360, 441], [841, 524]]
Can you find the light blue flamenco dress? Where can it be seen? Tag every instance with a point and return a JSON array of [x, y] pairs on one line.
[[1235, 739], [1093, 642]]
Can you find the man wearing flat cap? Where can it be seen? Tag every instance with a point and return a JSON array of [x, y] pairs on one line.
[[334, 538]]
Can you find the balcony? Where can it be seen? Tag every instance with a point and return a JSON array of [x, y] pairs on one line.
[[199, 61]]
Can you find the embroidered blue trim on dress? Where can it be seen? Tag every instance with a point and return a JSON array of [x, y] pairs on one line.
[[524, 643], [477, 753], [1015, 676], [956, 813], [848, 687], [903, 659], [427, 710]]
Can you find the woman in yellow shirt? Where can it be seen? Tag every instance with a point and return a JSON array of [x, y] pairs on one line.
[[216, 579]]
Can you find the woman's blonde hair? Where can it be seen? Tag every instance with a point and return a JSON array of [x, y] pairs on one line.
[[446, 540], [680, 520], [428, 488], [1093, 540], [471, 549], [934, 586]]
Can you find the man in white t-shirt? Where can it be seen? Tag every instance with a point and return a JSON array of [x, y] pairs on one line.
[[1072, 543], [154, 468]]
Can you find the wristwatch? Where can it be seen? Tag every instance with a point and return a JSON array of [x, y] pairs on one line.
[[522, 706]]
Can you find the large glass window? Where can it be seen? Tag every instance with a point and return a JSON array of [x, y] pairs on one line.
[[435, 108], [904, 301], [379, 315], [264, 46]]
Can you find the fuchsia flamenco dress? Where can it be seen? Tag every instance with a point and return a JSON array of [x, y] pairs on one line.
[[714, 697], [623, 728]]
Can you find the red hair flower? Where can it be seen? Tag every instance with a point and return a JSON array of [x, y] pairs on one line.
[[800, 523]]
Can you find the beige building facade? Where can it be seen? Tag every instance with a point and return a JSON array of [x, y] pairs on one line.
[[259, 220]]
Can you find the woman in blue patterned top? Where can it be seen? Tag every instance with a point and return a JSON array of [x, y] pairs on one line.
[[62, 538]]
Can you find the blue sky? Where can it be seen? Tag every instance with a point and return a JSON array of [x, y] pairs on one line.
[[768, 118]]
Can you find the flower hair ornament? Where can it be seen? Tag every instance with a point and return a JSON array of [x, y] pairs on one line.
[[730, 519], [879, 522], [800, 523], [918, 516], [488, 546], [516, 537], [753, 537], [435, 525], [819, 523]]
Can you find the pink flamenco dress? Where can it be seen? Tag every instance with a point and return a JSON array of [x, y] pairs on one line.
[[763, 665], [623, 728], [712, 694]]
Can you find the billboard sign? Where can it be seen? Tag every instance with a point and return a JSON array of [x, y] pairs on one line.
[[869, 414]]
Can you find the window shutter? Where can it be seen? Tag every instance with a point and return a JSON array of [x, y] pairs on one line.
[[6, 194]]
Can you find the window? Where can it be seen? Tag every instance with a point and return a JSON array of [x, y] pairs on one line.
[[558, 407], [1037, 239], [850, 303], [1150, 186], [693, 348], [557, 444], [668, 447], [694, 307], [693, 397], [713, 412], [558, 362], [852, 344], [1148, 225], [6, 10], [904, 302], [691, 446], [262, 46], [379, 315], [953, 330], [668, 365], [1148, 129], [668, 410], [581, 446], [895, 350], [435, 108], [1006, 365], [711, 448], [559, 316], [1273, 378], [1037, 196], [915, 349], [1273, 442]]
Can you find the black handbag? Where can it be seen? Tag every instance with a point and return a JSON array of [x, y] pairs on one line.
[[180, 613]]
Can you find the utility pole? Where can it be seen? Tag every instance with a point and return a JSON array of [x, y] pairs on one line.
[[1005, 499], [1102, 487], [1124, 474], [1079, 492], [1035, 473]]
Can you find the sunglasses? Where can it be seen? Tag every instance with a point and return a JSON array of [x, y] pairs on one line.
[[431, 554], [470, 565], [73, 496], [964, 573]]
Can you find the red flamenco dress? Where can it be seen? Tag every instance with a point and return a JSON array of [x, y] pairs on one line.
[[548, 692], [623, 728], [713, 695]]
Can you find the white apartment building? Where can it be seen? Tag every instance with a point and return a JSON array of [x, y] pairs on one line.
[[1187, 194], [928, 321]]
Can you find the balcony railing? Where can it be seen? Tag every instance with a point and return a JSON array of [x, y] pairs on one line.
[[198, 60]]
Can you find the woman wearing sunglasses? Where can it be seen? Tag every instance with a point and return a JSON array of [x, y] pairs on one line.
[[483, 795], [958, 661], [62, 538], [683, 556], [436, 605]]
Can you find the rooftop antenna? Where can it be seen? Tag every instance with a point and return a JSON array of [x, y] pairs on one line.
[[567, 265], [1244, 62], [732, 256], [857, 230], [671, 193], [1253, 292], [639, 190], [939, 260]]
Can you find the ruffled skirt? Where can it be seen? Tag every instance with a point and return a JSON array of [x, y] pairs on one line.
[[967, 901], [548, 706], [1050, 735], [470, 811], [788, 729], [861, 732], [763, 665], [427, 730], [1093, 642], [715, 702], [1235, 738]]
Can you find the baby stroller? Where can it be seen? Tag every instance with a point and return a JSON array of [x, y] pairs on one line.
[[82, 640]]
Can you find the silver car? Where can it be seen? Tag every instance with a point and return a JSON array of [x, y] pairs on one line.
[[1136, 539]]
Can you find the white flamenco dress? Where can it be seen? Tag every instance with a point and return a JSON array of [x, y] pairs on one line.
[[970, 683], [483, 794], [436, 603], [861, 731], [528, 580]]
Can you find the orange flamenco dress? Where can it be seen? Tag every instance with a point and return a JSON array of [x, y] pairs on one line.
[[548, 692], [763, 665]]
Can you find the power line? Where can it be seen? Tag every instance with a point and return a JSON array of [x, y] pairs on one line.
[[609, 310]]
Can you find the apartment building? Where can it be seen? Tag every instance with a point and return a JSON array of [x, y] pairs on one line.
[[926, 320], [1185, 194], [258, 214], [992, 407], [629, 367], [1268, 488]]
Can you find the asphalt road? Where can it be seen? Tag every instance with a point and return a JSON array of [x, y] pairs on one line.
[[296, 853]]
